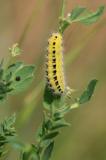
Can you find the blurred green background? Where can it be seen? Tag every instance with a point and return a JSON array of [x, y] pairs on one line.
[[30, 22]]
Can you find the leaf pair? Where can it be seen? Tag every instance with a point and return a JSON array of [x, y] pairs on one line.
[[15, 78], [86, 95], [82, 15]]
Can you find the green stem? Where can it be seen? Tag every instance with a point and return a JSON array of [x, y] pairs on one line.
[[63, 9], [61, 16]]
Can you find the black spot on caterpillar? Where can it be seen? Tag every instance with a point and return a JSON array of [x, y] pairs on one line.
[[57, 83], [54, 51], [54, 60], [54, 66], [54, 72], [55, 78]]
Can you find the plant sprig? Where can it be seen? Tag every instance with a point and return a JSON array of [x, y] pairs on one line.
[[15, 77], [54, 120], [7, 132], [79, 14]]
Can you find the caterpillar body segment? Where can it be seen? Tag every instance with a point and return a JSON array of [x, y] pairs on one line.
[[54, 64]]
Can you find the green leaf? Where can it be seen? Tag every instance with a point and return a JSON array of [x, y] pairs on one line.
[[58, 116], [76, 12], [47, 124], [29, 153], [9, 122], [20, 76], [12, 69], [7, 132], [51, 135], [48, 151], [59, 124], [29, 156], [87, 94], [49, 97], [16, 77], [21, 86], [92, 17]]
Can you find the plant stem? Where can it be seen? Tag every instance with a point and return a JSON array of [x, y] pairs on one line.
[[61, 15], [63, 9]]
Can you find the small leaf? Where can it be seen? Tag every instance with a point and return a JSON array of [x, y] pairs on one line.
[[92, 17], [12, 69], [7, 133], [30, 153], [87, 94], [87, 18], [48, 151], [10, 121], [20, 76], [76, 12], [51, 135], [21, 86], [49, 97], [48, 124], [58, 116], [60, 124]]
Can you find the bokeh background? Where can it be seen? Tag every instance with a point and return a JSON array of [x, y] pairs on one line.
[[30, 22]]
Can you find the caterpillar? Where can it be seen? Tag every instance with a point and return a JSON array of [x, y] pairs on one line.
[[54, 64]]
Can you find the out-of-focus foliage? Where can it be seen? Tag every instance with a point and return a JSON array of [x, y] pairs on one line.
[[15, 50], [7, 133]]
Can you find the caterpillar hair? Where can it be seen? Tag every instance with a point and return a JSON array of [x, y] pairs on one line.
[[54, 64]]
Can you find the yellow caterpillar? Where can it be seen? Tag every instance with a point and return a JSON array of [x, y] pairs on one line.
[[54, 64]]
